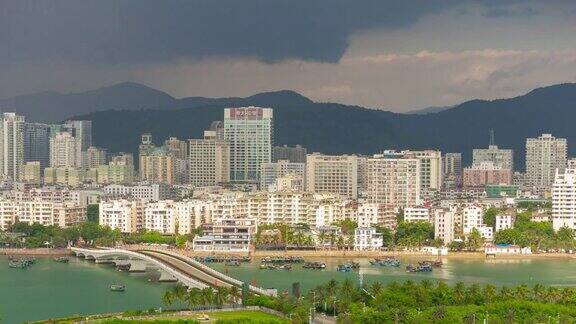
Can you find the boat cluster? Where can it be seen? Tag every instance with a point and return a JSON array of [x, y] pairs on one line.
[[348, 267], [314, 265], [386, 262], [280, 259], [62, 259], [419, 268], [21, 263], [222, 259], [272, 266]]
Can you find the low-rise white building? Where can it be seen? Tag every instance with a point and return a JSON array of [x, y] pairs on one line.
[[416, 214], [503, 221], [471, 218], [486, 232], [497, 249], [444, 223], [367, 239], [125, 215], [233, 235]]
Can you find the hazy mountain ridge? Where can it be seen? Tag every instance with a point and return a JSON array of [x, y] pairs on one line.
[[326, 127]]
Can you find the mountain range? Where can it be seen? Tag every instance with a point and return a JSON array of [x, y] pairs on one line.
[[122, 112]]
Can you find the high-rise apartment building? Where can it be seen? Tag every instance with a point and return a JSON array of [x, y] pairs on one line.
[[249, 132], [296, 154], [157, 166], [31, 173], [430, 167], [337, 174], [179, 151], [209, 160], [544, 155], [564, 199], [393, 181], [81, 130], [37, 143], [502, 158], [452, 170], [272, 171], [63, 150], [11, 145], [95, 157]]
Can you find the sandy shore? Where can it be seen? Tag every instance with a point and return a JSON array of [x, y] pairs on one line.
[[35, 252]]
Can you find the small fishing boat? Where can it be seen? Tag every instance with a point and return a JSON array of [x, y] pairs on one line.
[[285, 267], [123, 267], [434, 263], [420, 268], [386, 262], [119, 288], [62, 259], [233, 263], [314, 265], [17, 264], [344, 268]]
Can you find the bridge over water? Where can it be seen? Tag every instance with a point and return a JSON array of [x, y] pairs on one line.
[[172, 267]]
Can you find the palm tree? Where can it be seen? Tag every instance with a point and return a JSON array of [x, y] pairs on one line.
[[207, 296], [506, 293], [235, 294], [510, 316], [179, 292], [439, 313], [375, 288], [469, 318], [538, 292], [522, 292], [168, 298], [193, 298], [459, 292], [221, 296], [489, 293]]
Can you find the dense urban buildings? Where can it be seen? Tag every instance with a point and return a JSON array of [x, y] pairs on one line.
[[249, 132], [544, 155], [281, 168]]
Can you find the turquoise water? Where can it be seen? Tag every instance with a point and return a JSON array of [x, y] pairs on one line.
[[554, 272], [50, 289]]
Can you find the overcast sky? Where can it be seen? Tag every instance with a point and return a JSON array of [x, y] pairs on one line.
[[392, 54]]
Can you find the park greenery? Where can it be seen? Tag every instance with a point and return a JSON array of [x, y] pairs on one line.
[[85, 233], [427, 302]]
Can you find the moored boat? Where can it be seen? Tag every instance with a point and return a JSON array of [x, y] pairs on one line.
[[419, 268], [344, 267], [386, 262], [314, 265], [119, 288], [62, 259], [233, 263]]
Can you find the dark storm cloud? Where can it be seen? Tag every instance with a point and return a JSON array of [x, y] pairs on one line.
[[105, 32]]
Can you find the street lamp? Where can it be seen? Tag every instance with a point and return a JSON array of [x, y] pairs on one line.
[[334, 307]]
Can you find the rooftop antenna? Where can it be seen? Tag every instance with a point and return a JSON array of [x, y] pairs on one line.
[[491, 137]]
